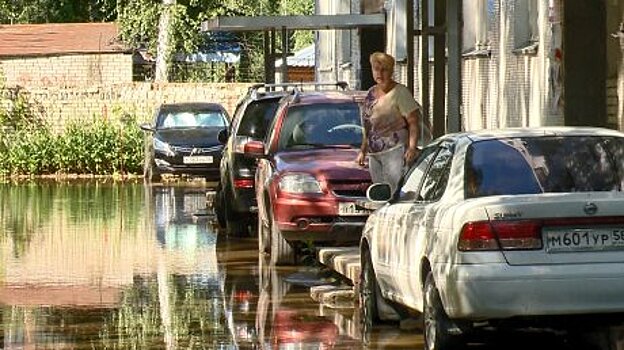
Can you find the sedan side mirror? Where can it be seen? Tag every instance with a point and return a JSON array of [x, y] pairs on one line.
[[254, 149], [379, 192], [223, 136], [146, 127]]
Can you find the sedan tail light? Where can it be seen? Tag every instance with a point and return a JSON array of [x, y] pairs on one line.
[[505, 235]]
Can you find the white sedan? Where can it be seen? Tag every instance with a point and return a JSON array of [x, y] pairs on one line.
[[493, 225]]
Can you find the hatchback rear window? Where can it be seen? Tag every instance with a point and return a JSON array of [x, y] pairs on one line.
[[258, 116], [545, 164]]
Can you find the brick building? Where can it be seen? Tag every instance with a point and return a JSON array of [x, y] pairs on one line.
[[63, 55]]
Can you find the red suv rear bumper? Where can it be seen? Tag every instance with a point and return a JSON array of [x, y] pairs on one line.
[[316, 220]]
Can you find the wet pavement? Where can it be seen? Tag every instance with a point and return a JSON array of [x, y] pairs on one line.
[[102, 265]]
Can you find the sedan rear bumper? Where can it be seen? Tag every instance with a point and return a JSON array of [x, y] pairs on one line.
[[491, 291]]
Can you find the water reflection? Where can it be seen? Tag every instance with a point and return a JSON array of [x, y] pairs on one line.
[[104, 265], [101, 265]]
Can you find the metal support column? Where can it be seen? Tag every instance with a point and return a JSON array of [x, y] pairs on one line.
[[410, 45], [424, 57], [439, 69], [284, 55], [454, 29]]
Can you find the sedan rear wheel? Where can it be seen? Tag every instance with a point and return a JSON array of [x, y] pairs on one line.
[[439, 329], [282, 253]]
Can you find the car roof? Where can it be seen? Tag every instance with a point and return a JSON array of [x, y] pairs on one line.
[[489, 134]]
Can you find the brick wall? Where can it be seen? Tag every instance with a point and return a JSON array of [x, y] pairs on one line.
[[67, 70], [61, 105]]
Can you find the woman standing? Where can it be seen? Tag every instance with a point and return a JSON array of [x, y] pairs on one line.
[[391, 118]]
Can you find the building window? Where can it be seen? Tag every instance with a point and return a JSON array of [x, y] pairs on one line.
[[526, 30], [477, 16]]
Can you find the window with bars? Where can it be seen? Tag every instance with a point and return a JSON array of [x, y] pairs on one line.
[[477, 16], [526, 30]]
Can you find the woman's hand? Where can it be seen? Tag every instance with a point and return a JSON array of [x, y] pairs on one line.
[[411, 153], [361, 159]]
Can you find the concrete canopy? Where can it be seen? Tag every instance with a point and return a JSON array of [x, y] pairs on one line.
[[316, 22]]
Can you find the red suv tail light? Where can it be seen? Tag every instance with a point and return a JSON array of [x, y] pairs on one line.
[[506, 235]]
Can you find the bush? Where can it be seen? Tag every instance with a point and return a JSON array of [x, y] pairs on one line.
[[101, 147], [92, 146]]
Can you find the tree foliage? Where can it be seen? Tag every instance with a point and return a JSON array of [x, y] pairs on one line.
[[138, 21], [56, 11]]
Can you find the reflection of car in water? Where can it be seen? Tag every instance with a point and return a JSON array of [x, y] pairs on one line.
[[194, 304], [283, 326]]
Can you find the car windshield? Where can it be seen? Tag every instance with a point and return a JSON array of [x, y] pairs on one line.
[[191, 119], [321, 125], [544, 164]]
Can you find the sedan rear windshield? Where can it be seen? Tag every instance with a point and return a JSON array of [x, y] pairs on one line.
[[544, 164], [321, 125]]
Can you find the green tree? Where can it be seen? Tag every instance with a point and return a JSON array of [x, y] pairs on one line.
[[138, 20], [57, 11]]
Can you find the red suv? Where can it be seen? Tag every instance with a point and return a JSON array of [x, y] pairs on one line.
[[307, 180]]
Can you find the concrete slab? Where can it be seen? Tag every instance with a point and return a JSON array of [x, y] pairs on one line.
[[344, 260]]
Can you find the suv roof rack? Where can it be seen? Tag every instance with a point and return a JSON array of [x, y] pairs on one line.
[[254, 89]]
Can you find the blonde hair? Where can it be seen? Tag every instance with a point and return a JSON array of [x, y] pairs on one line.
[[383, 59]]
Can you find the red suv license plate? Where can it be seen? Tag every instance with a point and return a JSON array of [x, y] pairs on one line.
[[351, 209]]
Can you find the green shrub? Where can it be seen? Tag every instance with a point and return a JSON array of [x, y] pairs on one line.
[[101, 147], [97, 145]]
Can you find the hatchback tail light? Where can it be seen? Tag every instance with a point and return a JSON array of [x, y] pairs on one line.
[[243, 183], [240, 142], [505, 235]]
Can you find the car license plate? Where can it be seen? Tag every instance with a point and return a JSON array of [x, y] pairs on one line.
[[198, 160], [351, 209], [586, 239]]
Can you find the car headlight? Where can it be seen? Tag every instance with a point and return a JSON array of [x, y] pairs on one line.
[[299, 183], [163, 147]]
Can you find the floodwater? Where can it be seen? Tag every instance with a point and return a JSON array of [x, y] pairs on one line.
[[104, 265]]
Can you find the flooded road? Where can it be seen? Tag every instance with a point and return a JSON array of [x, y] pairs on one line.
[[101, 265]]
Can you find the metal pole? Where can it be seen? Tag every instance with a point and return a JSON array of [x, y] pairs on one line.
[[410, 45], [439, 69], [454, 26], [284, 55], [424, 57]]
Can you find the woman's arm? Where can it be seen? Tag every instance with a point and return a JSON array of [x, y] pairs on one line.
[[413, 126], [361, 158]]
